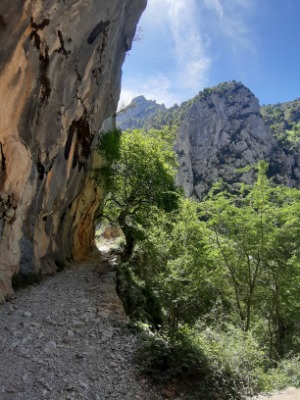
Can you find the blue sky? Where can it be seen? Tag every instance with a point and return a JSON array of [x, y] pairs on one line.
[[186, 45]]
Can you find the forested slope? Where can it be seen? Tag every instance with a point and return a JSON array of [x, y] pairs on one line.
[[213, 282]]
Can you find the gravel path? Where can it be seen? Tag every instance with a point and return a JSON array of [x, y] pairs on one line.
[[67, 339], [287, 394]]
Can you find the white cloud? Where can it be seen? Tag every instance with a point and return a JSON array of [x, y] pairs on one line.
[[230, 18], [175, 25], [179, 35], [157, 88], [191, 48], [216, 6]]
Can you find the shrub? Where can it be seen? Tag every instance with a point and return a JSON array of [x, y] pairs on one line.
[[235, 355], [214, 365], [287, 373], [138, 299], [163, 357]]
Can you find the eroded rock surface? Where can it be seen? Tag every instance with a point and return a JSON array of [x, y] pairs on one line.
[[223, 131], [60, 71]]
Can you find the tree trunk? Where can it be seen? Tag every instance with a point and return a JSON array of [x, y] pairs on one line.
[[279, 328], [129, 237]]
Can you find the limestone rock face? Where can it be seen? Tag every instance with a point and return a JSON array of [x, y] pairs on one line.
[[60, 71], [222, 131]]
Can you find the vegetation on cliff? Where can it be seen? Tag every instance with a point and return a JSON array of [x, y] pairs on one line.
[[284, 121], [282, 118]]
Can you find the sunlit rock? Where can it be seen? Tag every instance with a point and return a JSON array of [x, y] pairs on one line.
[[60, 72]]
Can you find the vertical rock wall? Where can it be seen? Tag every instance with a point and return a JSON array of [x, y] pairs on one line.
[[60, 72], [221, 132]]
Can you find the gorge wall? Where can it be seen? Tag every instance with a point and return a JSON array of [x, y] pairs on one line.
[[222, 130], [225, 130], [60, 72]]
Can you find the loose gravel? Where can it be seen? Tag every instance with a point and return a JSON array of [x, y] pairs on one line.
[[68, 339]]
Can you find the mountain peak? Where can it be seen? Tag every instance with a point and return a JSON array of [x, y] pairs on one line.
[[134, 115]]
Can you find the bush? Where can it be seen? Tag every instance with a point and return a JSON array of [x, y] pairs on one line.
[[287, 373], [163, 357], [137, 297], [235, 355], [215, 365]]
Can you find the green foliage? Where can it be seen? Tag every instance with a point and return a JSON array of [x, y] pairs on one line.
[[256, 233], [176, 259], [215, 283], [293, 134], [284, 119], [142, 167], [137, 297], [235, 354], [139, 177], [164, 357], [286, 374], [108, 147], [215, 365]]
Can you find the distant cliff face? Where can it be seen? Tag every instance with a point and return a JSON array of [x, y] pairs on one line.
[[137, 112], [60, 71], [223, 129]]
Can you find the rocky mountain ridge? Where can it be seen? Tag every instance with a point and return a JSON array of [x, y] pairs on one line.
[[223, 129], [134, 115]]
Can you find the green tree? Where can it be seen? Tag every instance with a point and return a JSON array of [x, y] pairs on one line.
[[138, 179], [177, 262], [237, 221], [282, 272], [256, 232]]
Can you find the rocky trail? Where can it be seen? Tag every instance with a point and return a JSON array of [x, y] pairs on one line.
[[287, 394], [68, 339]]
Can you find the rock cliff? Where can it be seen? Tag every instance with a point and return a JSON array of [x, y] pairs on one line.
[[224, 129], [221, 131], [60, 71]]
